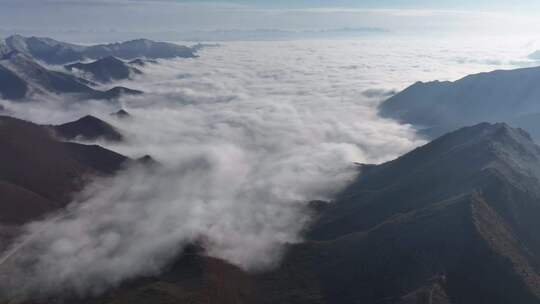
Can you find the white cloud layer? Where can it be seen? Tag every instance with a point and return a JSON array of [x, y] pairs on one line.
[[246, 135]]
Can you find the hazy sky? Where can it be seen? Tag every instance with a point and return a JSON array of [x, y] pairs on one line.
[[62, 17], [441, 4]]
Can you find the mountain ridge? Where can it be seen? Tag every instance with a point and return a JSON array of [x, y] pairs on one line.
[[22, 76], [105, 70], [56, 52], [438, 107]]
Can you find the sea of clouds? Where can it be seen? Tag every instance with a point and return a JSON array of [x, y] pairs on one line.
[[244, 136]]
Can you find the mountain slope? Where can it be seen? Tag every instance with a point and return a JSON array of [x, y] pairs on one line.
[[11, 85], [56, 52], [41, 180], [104, 70], [503, 95], [460, 211]]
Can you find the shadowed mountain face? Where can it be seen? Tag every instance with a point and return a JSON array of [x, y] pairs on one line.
[[27, 73], [11, 85], [20, 76], [454, 221], [105, 70], [509, 96], [56, 52], [38, 173], [87, 128], [457, 217]]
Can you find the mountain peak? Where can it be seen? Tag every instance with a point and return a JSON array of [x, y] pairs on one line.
[[504, 142], [109, 59], [491, 131], [35, 182], [15, 55], [90, 118], [121, 114], [88, 128], [457, 161], [16, 42], [105, 69]]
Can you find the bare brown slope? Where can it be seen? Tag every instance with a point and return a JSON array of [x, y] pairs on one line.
[[20, 204], [441, 248], [37, 171]]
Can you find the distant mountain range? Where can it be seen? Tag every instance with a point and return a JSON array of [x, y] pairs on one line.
[[21, 76], [438, 107], [56, 52], [454, 221]]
